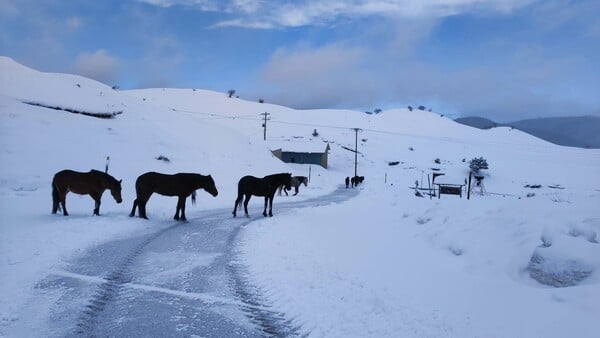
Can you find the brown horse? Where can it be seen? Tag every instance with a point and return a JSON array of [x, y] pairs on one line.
[[181, 185], [92, 183], [266, 186]]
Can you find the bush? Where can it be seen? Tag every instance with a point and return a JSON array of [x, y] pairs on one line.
[[477, 164]]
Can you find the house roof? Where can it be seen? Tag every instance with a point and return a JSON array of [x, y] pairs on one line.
[[299, 146]]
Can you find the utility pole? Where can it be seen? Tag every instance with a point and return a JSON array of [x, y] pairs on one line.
[[355, 149], [265, 114]]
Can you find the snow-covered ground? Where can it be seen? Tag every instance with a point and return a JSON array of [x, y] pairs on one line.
[[385, 263]]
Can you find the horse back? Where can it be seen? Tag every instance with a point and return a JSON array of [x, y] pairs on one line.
[[77, 182], [164, 184], [252, 185]]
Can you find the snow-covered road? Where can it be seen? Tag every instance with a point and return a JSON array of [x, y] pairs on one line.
[[182, 280]]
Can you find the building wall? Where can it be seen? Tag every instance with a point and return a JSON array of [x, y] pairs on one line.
[[304, 158]]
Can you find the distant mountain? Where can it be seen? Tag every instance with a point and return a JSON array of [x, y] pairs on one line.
[[578, 131], [477, 122]]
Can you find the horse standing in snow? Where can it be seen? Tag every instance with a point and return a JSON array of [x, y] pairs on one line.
[[266, 186], [295, 183], [92, 183], [181, 185], [356, 180]]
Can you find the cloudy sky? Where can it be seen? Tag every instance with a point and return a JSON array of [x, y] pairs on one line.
[[503, 59]]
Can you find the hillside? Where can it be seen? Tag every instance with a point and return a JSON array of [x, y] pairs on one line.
[[520, 258], [578, 131]]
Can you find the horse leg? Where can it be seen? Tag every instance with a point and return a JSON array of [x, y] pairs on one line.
[[238, 200], [180, 206], [55, 197], [97, 198], [266, 202], [270, 206], [142, 207], [135, 204], [279, 190], [176, 217], [63, 201], [183, 198], [296, 189], [246, 204], [285, 190]]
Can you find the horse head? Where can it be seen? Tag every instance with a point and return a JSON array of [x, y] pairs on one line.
[[210, 186], [115, 190]]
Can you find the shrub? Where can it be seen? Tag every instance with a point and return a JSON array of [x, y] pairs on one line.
[[477, 164]]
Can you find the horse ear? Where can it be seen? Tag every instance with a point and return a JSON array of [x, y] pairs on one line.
[[120, 181]]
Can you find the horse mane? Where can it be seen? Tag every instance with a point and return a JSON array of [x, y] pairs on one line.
[[105, 175]]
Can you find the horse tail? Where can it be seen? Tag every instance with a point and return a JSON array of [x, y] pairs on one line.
[[194, 197], [55, 196]]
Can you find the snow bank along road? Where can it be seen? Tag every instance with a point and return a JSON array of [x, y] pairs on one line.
[[181, 280]]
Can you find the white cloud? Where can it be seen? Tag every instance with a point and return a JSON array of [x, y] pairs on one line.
[[259, 14], [98, 65], [74, 22]]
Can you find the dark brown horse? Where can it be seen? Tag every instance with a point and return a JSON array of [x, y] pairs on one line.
[[266, 186], [181, 185], [92, 183]]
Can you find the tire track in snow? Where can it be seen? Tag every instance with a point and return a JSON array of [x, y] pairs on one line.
[[117, 287], [114, 281]]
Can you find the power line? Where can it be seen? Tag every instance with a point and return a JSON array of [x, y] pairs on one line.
[[252, 118]]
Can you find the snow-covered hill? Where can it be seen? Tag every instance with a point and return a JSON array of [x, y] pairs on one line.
[[386, 263]]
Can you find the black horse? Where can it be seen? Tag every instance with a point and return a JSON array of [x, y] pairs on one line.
[[92, 183], [356, 180], [181, 185], [266, 186]]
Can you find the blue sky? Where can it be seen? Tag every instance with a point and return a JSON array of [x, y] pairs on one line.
[[504, 59]]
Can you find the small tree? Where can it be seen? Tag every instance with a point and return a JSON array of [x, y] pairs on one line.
[[421, 107], [477, 164], [377, 111], [261, 101], [410, 108], [231, 92]]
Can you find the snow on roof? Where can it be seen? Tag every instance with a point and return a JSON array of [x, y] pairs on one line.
[[299, 146]]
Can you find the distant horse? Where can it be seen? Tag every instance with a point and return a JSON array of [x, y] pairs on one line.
[[347, 180], [181, 185], [266, 186], [92, 183], [356, 180], [294, 183]]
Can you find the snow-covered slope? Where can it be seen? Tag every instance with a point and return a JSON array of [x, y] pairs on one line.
[[386, 263]]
